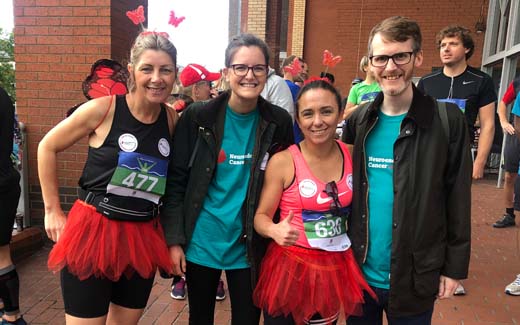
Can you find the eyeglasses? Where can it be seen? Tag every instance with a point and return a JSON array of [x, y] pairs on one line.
[[332, 191], [400, 58], [241, 70]]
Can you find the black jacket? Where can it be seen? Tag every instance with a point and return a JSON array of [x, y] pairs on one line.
[[9, 176], [432, 200], [196, 144]]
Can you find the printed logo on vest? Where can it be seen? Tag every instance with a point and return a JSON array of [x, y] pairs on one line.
[[127, 142], [164, 147], [308, 188], [221, 156]]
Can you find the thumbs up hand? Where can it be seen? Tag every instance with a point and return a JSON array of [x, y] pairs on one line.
[[283, 233]]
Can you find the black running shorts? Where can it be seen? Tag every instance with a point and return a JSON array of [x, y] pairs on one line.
[[512, 153], [91, 298]]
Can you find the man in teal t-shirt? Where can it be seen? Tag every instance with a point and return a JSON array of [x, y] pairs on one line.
[[410, 225], [380, 170]]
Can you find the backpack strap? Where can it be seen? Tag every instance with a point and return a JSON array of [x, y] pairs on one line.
[[443, 114]]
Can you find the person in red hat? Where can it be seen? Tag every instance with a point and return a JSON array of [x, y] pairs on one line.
[[196, 81]]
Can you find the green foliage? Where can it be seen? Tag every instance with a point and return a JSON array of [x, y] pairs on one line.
[[7, 80]]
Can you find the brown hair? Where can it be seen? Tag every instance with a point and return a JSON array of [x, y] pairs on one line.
[[457, 31], [247, 40], [397, 29]]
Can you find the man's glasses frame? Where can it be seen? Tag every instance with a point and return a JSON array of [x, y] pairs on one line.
[[240, 70], [401, 58]]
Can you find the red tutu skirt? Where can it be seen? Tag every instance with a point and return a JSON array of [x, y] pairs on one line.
[[93, 245], [302, 282]]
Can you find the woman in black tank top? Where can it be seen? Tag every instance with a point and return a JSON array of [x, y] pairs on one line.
[[109, 247]]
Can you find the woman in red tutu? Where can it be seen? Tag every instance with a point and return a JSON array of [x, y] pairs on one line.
[[308, 274], [109, 247]]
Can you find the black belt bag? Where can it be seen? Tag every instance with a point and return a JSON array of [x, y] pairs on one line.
[[123, 208]]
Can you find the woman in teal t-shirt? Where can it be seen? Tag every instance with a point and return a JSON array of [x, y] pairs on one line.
[[221, 148]]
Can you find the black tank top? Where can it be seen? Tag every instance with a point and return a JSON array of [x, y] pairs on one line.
[[127, 134]]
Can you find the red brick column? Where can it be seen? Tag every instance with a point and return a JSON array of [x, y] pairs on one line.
[[56, 41]]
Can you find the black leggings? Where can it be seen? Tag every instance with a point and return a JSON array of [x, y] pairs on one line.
[[8, 205], [202, 287]]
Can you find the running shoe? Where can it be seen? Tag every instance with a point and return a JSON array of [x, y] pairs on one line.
[[506, 221], [179, 290], [514, 287], [221, 293]]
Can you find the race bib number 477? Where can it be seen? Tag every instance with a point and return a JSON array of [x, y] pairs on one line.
[[139, 175]]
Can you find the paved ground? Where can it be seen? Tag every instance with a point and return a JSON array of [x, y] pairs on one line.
[[494, 263]]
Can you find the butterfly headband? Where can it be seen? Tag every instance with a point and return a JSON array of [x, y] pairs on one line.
[[294, 68], [329, 60], [314, 78], [137, 17]]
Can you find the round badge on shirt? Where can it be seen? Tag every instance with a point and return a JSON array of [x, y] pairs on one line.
[[127, 142], [164, 147], [308, 188]]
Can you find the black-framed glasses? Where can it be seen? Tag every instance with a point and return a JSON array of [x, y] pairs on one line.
[[331, 189], [400, 58], [240, 70]]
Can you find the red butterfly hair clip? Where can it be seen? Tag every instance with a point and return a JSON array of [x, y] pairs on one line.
[[294, 68], [175, 21], [136, 16], [329, 60]]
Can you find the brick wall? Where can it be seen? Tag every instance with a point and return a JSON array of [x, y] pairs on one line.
[[336, 27], [244, 15], [272, 35], [235, 18], [56, 41], [256, 19], [299, 27]]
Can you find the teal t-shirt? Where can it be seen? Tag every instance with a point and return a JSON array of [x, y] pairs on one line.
[[363, 92], [516, 106], [216, 238], [380, 169], [516, 111]]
